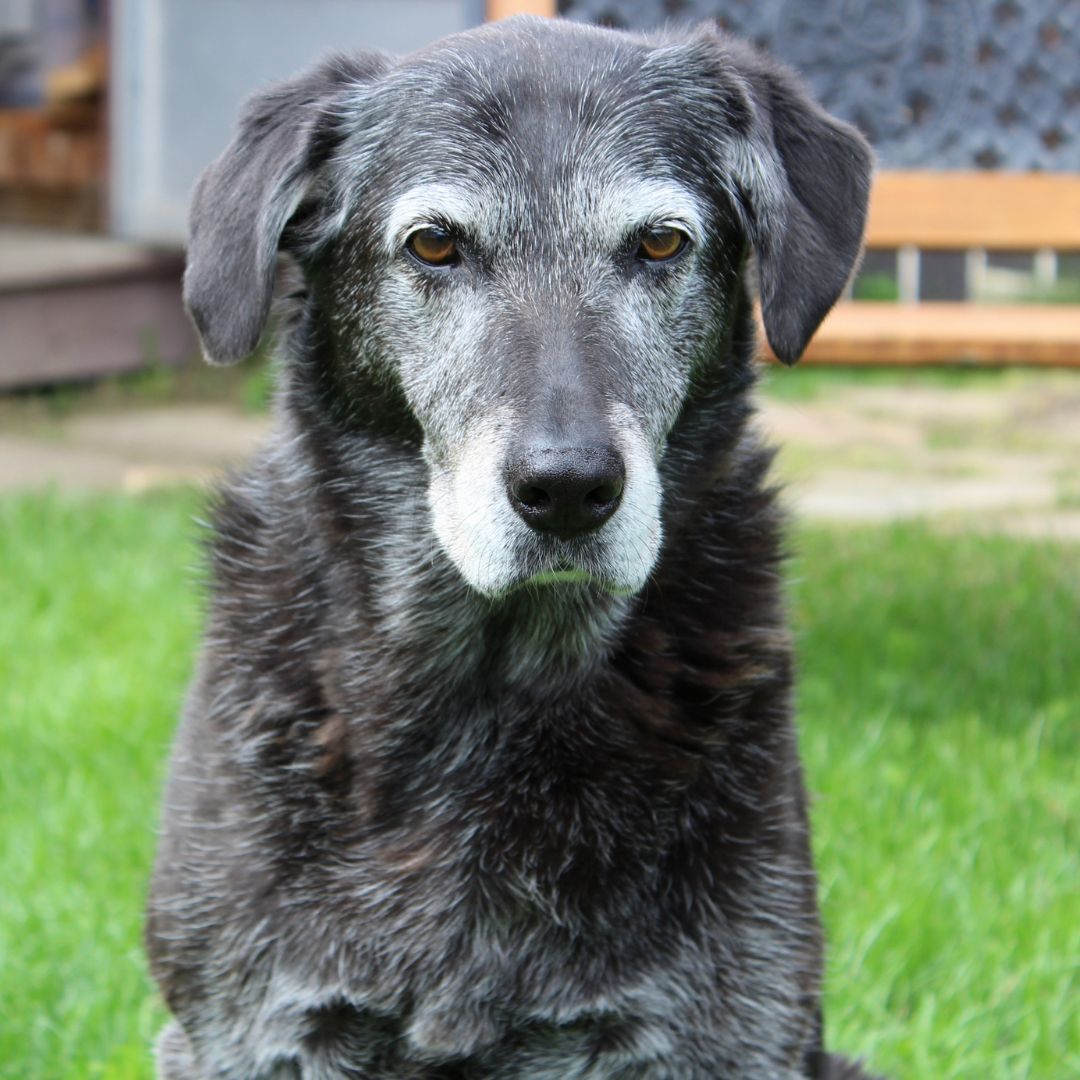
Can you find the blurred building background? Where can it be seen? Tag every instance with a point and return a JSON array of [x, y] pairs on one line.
[[108, 111]]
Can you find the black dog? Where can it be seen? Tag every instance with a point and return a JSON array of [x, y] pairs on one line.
[[489, 770]]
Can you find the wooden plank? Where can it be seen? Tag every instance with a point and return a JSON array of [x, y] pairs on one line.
[[503, 9], [35, 152], [79, 306], [78, 208], [91, 329], [999, 211], [864, 332]]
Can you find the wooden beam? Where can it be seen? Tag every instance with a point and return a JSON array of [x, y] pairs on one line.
[[503, 9], [97, 327], [76, 307], [957, 210], [866, 332]]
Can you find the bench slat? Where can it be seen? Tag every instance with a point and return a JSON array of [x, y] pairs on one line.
[[956, 210], [865, 332]]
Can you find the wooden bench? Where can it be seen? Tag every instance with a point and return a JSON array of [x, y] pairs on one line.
[[975, 213]]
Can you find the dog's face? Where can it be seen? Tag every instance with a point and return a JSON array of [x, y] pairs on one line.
[[535, 232]]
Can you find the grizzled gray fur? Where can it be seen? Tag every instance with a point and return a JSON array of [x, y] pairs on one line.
[[488, 771]]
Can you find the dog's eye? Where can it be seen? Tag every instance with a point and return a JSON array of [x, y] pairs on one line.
[[436, 247], [660, 244]]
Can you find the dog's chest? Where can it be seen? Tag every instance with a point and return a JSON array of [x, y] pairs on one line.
[[476, 927], [508, 1001], [525, 889], [437, 979]]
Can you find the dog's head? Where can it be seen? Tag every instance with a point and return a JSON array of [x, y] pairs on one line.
[[534, 233]]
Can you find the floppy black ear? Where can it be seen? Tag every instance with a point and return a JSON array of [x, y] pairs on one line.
[[244, 200], [808, 219]]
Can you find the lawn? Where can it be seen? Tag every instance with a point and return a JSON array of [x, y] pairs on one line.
[[940, 701]]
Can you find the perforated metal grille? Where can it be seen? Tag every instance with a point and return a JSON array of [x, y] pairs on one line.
[[992, 84]]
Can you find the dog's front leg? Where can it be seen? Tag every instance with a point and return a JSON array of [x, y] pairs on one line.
[[176, 1061]]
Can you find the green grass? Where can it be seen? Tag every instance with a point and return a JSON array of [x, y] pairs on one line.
[[940, 696], [1065, 290], [810, 382], [940, 700], [97, 621], [248, 386], [875, 286]]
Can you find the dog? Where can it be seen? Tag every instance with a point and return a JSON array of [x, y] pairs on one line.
[[488, 769]]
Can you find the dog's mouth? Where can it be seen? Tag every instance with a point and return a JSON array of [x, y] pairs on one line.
[[554, 567], [559, 576], [564, 573]]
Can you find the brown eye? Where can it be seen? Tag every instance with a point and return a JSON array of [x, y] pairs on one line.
[[656, 245], [436, 247]]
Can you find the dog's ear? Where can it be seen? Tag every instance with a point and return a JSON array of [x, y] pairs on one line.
[[804, 185], [244, 200]]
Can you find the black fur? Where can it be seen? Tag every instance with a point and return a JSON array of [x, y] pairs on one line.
[[413, 831]]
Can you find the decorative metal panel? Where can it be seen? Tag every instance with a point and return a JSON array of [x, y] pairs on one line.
[[954, 84]]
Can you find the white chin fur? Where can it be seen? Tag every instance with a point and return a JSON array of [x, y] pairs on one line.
[[495, 551]]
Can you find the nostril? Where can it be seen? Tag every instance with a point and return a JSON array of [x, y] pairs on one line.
[[604, 494], [535, 498]]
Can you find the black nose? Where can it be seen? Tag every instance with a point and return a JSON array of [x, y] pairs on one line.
[[565, 490]]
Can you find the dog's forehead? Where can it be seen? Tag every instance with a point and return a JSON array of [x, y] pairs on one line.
[[598, 213], [541, 118]]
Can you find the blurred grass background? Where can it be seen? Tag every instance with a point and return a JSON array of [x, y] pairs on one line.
[[939, 711]]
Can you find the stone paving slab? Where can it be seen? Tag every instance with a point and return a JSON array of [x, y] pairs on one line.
[[131, 450]]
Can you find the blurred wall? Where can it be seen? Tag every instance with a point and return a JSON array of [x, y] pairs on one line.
[[182, 68]]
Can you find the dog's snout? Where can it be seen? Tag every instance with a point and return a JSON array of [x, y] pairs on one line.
[[565, 490]]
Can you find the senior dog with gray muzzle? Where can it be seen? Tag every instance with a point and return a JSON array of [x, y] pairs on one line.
[[488, 771]]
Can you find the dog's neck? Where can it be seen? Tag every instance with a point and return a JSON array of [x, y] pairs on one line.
[[451, 639]]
